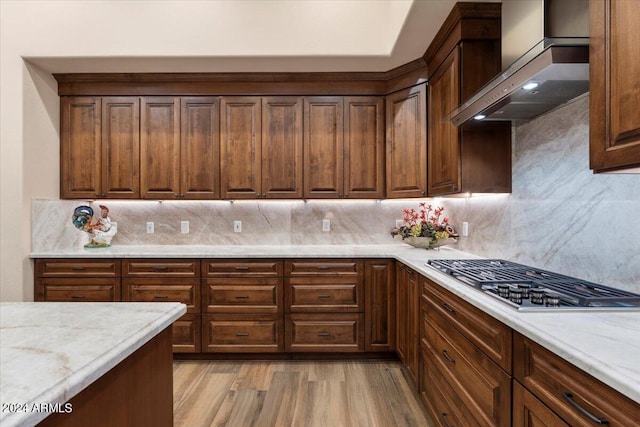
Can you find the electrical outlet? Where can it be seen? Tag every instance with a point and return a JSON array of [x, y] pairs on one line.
[[114, 225], [150, 228], [184, 227], [237, 226], [399, 223], [465, 229], [326, 225]]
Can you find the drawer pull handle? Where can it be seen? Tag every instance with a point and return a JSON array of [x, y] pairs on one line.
[[448, 307], [324, 267], [77, 268], [444, 419], [242, 296], [568, 396], [161, 296], [77, 296], [160, 267], [409, 271], [242, 334], [446, 356], [324, 334], [324, 296], [242, 268]]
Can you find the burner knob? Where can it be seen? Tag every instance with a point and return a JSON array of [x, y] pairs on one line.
[[537, 295], [504, 290], [515, 295], [552, 300], [525, 288]]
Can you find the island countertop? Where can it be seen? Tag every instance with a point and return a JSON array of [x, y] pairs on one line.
[[603, 343], [49, 352]]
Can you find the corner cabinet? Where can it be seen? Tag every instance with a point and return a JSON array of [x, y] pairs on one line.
[[614, 85], [464, 55], [407, 143]]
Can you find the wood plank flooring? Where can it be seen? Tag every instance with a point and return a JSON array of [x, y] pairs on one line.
[[294, 393]]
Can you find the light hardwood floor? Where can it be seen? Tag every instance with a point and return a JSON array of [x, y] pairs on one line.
[[294, 393]]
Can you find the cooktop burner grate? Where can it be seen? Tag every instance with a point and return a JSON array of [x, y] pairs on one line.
[[487, 274]]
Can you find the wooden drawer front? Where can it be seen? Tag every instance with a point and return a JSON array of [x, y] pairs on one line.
[[170, 268], [490, 335], [155, 289], [77, 268], [238, 333], [483, 387], [324, 294], [242, 267], [240, 295], [314, 267], [343, 332], [186, 334], [442, 403], [529, 411], [80, 290], [564, 388]]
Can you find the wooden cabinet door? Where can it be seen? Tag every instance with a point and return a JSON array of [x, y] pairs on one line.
[[80, 148], [282, 147], [121, 147], [160, 147], [323, 147], [528, 411], [380, 308], [411, 360], [364, 147], [407, 143], [199, 148], [443, 142], [240, 147], [614, 73], [401, 311]]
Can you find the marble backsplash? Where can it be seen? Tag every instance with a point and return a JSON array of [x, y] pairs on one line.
[[560, 216]]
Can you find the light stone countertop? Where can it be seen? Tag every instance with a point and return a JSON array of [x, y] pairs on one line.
[[605, 344], [51, 351]]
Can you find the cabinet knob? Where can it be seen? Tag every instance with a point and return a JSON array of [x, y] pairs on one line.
[[454, 187]]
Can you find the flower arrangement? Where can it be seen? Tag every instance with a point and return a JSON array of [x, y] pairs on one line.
[[427, 227]]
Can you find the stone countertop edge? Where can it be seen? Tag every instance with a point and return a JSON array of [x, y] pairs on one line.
[[95, 364], [604, 344]]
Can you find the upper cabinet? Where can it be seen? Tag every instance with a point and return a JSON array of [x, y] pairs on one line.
[[464, 55], [240, 147], [100, 147], [407, 143], [614, 85], [364, 147], [160, 147], [282, 147]]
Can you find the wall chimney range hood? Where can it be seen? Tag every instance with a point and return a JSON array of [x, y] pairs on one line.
[[550, 40]]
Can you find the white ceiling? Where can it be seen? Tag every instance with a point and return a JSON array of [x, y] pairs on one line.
[[228, 36]]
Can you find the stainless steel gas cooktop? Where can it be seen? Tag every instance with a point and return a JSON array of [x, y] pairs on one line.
[[531, 289]]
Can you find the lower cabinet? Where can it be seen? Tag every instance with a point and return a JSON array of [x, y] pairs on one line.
[[243, 333], [460, 383], [407, 309], [529, 411], [334, 332], [565, 390]]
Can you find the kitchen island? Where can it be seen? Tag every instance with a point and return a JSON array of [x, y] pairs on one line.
[[86, 364]]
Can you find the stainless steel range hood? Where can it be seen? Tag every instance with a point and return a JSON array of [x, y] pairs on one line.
[[551, 39]]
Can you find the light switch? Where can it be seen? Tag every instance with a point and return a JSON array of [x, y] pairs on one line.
[[237, 226], [150, 227], [326, 225], [184, 227]]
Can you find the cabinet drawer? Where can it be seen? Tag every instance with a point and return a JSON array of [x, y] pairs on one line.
[[242, 295], [153, 267], [443, 404], [242, 267], [239, 333], [324, 294], [529, 411], [77, 268], [81, 290], [186, 334], [490, 335], [315, 267], [334, 332], [567, 390], [154, 289], [482, 386]]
